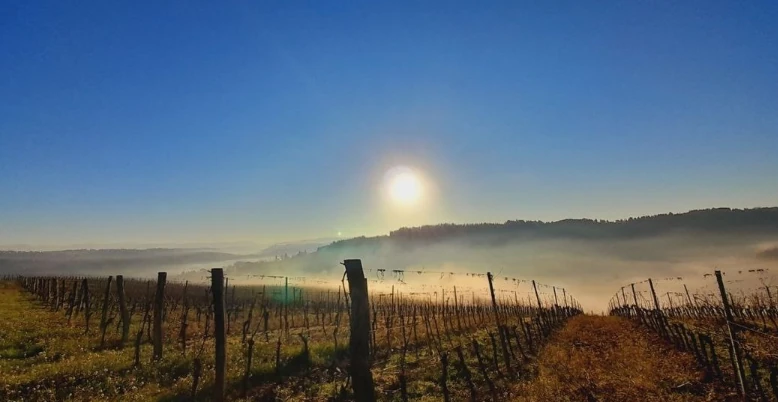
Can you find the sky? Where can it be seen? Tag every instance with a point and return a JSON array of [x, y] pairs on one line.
[[190, 122]]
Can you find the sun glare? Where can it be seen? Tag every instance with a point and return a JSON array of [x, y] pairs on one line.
[[405, 187]]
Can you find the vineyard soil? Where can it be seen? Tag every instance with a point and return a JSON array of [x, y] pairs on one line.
[[613, 359]]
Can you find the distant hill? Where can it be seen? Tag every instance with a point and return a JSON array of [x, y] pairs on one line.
[[105, 261], [718, 220], [408, 246], [285, 250], [400, 245]]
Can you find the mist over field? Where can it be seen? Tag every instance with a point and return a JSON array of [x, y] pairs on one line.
[[589, 258], [589, 269]]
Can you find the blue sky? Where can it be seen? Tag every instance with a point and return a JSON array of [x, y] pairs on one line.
[[182, 122]]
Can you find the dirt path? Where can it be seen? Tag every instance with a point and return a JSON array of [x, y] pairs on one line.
[[612, 359]]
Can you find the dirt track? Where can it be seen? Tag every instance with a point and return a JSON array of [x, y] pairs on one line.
[[598, 358]]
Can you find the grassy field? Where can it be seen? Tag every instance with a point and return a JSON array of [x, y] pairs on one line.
[[43, 357]]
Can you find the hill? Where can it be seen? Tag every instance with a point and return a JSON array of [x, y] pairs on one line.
[[93, 262], [536, 245]]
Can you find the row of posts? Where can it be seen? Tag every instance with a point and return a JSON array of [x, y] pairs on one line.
[[359, 342], [734, 346]]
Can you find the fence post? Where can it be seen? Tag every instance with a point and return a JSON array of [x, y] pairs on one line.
[[85, 300], [219, 331], [499, 325], [286, 306], [540, 305], [737, 363], [159, 299], [123, 308], [104, 315], [359, 340], [623, 296], [54, 292], [456, 309], [653, 293]]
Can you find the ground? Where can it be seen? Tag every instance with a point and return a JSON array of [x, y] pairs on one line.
[[597, 358], [592, 358]]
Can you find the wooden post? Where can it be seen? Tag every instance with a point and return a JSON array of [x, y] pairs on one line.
[[564, 296], [503, 343], [392, 299], [556, 301], [219, 331], [534, 286], [688, 297], [125, 314], [104, 315], [159, 300], [85, 298], [72, 300], [494, 301], [653, 293], [623, 295], [456, 308], [359, 342], [55, 293], [634, 295], [286, 306], [737, 362]]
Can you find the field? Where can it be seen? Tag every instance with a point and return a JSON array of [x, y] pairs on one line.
[[105, 338], [729, 324], [65, 338]]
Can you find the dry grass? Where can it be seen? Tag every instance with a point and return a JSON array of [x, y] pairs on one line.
[[42, 357], [611, 359]]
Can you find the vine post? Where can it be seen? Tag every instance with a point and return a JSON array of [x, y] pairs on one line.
[[219, 331], [159, 302], [125, 314], [737, 362], [359, 340], [653, 293]]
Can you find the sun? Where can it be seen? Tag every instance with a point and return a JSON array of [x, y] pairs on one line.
[[405, 187]]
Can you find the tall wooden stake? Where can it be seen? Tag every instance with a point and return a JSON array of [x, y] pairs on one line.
[[359, 341], [687, 296], [737, 363], [219, 331], [534, 286], [456, 308], [123, 312], [503, 343], [494, 300], [653, 293], [104, 315], [159, 301]]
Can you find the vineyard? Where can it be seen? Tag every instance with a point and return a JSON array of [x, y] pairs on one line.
[[368, 335], [729, 323]]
